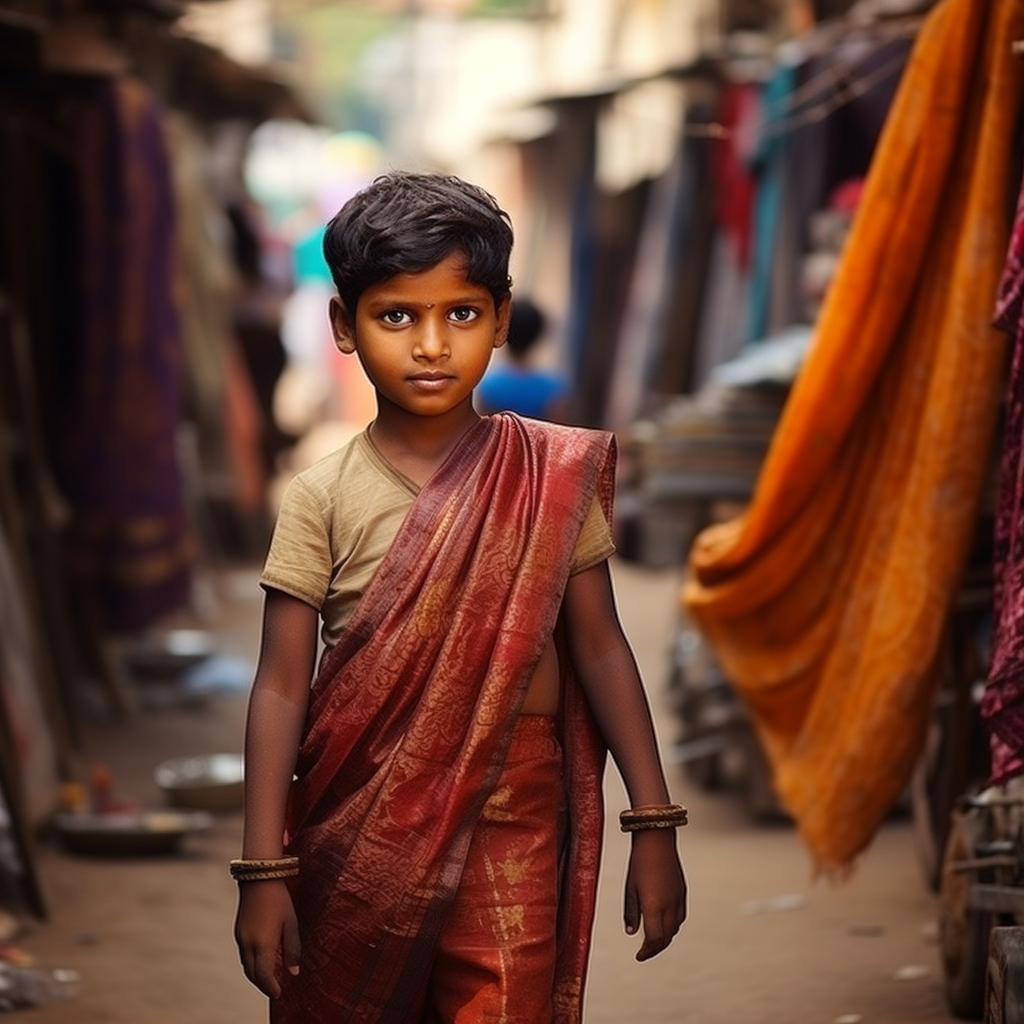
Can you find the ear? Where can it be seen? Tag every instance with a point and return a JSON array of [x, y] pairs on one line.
[[503, 311], [342, 326]]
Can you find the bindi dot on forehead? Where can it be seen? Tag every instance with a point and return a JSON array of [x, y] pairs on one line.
[[430, 305]]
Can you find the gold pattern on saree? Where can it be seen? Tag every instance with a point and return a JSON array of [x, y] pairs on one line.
[[515, 871]]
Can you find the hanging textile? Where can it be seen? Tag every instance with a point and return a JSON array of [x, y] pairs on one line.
[[825, 602], [769, 166], [822, 114], [1002, 705], [654, 347], [725, 309], [116, 449]]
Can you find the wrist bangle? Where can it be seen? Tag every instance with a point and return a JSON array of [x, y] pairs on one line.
[[265, 876], [640, 819], [245, 870]]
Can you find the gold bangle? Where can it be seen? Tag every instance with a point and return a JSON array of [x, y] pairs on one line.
[[639, 819], [654, 812], [244, 868], [264, 876]]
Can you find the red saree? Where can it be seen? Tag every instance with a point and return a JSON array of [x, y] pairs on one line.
[[410, 718]]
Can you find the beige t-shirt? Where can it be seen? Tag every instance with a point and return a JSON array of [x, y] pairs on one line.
[[337, 521]]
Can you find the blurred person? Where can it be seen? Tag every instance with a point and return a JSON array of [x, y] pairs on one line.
[[423, 822], [262, 290], [519, 385]]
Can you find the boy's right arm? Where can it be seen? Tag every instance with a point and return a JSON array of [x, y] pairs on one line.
[[265, 926]]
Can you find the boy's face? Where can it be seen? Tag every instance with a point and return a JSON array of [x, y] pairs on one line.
[[424, 339]]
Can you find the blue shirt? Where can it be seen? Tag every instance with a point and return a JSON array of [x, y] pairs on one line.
[[529, 392]]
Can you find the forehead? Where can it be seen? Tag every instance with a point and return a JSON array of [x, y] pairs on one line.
[[444, 282]]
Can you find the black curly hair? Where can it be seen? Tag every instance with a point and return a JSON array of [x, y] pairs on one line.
[[407, 222]]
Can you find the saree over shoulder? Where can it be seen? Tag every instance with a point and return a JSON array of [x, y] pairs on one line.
[[410, 717]]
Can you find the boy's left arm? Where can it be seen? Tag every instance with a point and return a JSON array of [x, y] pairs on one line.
[[608, 673]]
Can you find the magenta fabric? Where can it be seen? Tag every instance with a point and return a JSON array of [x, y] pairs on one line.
[[1002, 705]]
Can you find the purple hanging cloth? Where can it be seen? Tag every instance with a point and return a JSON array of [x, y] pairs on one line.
[[130, 542]]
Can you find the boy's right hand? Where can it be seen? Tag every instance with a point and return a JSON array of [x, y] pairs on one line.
[[267, 933], [656, 893]]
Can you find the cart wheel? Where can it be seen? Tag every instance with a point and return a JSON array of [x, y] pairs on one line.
[[963, 931], [1004, 1002]]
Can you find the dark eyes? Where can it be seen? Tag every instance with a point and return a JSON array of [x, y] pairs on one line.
[[457, 314]]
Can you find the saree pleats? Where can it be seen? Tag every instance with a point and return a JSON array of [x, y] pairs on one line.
[[496, 958], [826, 600], [410, 720]]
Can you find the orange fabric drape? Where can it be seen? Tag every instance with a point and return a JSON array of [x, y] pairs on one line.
[[826, 600]]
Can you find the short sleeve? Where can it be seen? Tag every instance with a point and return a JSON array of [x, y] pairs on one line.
[[595, 541], [299, 560]]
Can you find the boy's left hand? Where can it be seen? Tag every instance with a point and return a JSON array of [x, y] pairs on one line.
[[655, 890]]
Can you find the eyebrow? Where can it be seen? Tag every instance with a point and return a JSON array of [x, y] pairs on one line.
[[389, 301]]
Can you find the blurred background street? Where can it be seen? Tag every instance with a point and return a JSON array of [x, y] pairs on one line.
[[770, 245]]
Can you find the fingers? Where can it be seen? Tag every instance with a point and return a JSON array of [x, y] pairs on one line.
[[659, 931], [631, 911], [267, 934], [291, 947], [265, 972], [258, 964], [661, 925], [656, 938], [261, 958], [655, 890]]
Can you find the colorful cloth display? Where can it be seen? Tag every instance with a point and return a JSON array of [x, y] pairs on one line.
[[826, 601], [1002, 705], [117, 456], [390, 787]]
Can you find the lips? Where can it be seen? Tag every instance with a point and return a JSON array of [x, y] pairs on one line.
[[431, 379]]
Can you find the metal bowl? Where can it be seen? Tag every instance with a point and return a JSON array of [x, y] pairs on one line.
[[167, 655], [205, 782], [129, 834]]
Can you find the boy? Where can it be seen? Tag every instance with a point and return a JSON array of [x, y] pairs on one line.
[[435, 857], [520, 386]]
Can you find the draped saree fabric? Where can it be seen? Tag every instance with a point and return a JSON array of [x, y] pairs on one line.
[[411, 715], [826, 600]]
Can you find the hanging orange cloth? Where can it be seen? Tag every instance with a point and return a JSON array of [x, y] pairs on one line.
[[826, 600]]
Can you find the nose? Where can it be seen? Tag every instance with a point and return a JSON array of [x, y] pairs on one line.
[[431, 340]]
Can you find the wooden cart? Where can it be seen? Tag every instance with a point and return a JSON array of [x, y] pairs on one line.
[[970, 840]]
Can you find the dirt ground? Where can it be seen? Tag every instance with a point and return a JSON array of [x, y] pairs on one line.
[[151, 937]]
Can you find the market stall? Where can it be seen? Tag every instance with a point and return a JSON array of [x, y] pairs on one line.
[[102, 106], [832, 601]]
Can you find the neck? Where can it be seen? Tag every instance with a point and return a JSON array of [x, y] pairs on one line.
[[417, 445]]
